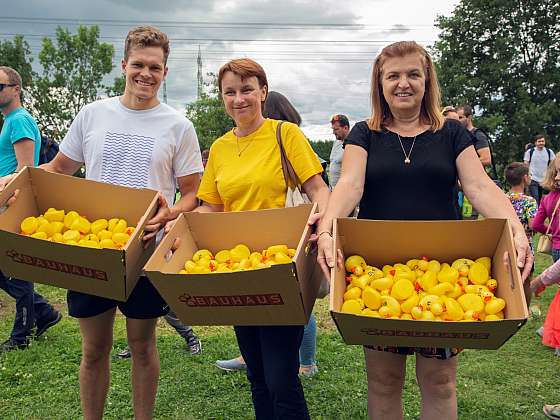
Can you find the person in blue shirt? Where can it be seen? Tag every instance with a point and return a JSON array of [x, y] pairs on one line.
[[20, 143]]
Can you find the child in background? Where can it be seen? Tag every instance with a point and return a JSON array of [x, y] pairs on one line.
[[517, 176], [551, 329]]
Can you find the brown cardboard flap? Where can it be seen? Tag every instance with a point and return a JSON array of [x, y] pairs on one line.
[[10, 217], [256, 229], [136, 255], [219, 298], [71, 267], [92, 199], [399, 241], [510, 286], [306, 267], [170, 262], [363, 330]]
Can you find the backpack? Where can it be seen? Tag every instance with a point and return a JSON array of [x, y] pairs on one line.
[[550, 155], [49, 149], [495, 177]]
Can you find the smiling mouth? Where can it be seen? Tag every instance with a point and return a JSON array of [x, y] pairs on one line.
[[143, 83], [403, 94]]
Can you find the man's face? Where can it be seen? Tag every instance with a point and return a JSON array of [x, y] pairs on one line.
[[340, 132], [144, 71], [462, 118], [9, 93], [539, 143]]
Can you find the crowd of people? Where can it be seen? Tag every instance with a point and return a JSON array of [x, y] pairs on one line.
[[409, 150]]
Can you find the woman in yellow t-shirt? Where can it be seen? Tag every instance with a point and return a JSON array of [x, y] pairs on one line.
[[244, 172]]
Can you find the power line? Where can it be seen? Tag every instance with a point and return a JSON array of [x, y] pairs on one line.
[[215, 25], [268, 41]]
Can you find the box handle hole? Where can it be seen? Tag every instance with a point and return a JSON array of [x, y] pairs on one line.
[[174, 246]]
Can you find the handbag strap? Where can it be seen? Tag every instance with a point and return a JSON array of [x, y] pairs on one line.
[[290, 175], [552, 217]]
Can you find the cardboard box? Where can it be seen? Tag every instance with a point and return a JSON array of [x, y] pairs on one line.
[[389, 242], [108, 273], [279, 295]]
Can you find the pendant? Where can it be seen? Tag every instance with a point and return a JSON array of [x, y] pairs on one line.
[[407, 161]]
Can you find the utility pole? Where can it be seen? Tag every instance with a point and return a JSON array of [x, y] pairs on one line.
[[200, 82], [164, 91]]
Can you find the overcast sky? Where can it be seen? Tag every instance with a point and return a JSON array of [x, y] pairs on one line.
[[322, 66]]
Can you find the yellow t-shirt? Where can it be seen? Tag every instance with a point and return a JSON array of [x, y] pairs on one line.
[[254, 180]]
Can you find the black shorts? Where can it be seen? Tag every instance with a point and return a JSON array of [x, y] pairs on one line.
[[443, 353], [144, 302]]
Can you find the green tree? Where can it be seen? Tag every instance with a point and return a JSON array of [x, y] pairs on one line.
[[208, 115], [117, 89], [74, 66], [503, 57], [322, 148], [17, 55]]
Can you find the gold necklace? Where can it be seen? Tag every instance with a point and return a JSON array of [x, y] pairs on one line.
[[240, 151], [406, 156]]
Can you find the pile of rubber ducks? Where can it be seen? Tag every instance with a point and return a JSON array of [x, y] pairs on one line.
[[239, 258], [71, 228], [423, 289]]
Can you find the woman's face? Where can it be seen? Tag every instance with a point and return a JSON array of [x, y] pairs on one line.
[[403, 82], [242, 97], [557, 177]]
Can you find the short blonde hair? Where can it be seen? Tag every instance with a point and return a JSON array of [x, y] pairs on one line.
[[549, 181], [430, 109], [146, 36]]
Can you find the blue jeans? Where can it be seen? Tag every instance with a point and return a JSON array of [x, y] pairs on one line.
[[308, 344], [271, 355], [555, 254], [29, 307], [536, 191]]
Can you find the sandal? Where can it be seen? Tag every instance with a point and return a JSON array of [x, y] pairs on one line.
[[552, 411]]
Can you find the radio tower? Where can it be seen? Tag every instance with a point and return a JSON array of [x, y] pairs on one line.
[[200, 82]]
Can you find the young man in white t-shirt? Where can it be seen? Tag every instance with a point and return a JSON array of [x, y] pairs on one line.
[[136, 141], [538, 158]]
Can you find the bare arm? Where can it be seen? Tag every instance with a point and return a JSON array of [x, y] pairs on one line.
[[490, 201], [25, 153], [209, 208], [317, 191], [485, 156], [188, 186], [62, 164]]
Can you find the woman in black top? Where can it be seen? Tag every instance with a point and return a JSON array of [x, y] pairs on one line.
[[403, 164]]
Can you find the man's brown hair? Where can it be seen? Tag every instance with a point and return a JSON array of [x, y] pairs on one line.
[[146, 36], [13, 76]]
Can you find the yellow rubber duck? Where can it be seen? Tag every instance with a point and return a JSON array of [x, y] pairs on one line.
[[471, 301], [494, 306], [355, 264], [453, 310]]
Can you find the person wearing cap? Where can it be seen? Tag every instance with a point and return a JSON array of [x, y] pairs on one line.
[[449, 112], [340, 128]]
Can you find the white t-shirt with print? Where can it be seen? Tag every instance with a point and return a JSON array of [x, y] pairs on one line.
[[538, 163], [139, 149]]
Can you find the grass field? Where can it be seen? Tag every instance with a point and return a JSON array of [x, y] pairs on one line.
[[42, 382]]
